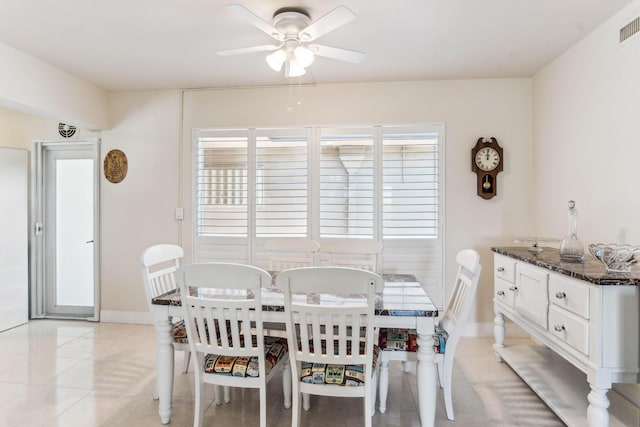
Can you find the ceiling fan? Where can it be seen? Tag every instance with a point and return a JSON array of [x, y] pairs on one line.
[[293, 29]]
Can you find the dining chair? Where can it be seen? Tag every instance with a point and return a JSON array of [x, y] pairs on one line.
[[284, 253], [400, 344], [290, 252], [222, 306], [159, 263], [355, 253], [332, 350]]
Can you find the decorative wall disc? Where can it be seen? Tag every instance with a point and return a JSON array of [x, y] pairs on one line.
[[115, 166]]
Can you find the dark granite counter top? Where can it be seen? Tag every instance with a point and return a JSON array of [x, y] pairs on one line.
[[591, 270]]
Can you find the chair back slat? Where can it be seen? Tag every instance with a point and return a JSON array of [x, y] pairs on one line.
[[363, 254], [335, 328], [290, 252], [462, 296], [226, 308], [159, 264]]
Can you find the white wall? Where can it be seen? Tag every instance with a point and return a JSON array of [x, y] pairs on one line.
[[140, 210], [586, 133], [35, 87]]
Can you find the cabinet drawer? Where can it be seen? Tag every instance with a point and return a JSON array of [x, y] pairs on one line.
[[569, 328], [504, 268], [569, 295], [504, 291]]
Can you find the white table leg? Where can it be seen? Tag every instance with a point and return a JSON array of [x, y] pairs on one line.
[[384, 382], [598, 409], [164, 364], [426, 373]]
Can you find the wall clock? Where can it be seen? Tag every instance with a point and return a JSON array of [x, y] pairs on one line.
[[487, 162], [115, 166]]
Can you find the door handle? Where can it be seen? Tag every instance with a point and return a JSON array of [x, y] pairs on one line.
[[89, 241]]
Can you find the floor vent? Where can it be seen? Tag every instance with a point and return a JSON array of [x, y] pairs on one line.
[[66, 131], [630, 29]]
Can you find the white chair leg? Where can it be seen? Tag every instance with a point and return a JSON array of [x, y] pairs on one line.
[[384, 382], [440, 373], [263, 406], [448, 401], [306, 401], [187, 358], [286, 384], [406, 367], [218, 395], [374, 391], [198, 413], [367, 408], [227, 394]]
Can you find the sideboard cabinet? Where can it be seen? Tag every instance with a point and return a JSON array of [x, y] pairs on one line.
[[585, 323]]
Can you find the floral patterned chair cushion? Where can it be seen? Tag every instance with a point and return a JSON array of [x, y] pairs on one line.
[[275, 348]]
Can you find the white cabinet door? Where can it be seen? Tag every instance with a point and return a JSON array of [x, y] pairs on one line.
[[532, 294], [14, 235]]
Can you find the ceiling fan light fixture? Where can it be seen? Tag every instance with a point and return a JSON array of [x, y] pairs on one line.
[[303, 55], [276, 59], [292, 68]]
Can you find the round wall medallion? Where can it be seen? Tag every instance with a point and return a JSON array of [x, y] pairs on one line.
[[115, 166]]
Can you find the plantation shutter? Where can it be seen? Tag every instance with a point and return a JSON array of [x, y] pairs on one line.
[[346, 183], [281, 183], [410, 185], [221, 185]]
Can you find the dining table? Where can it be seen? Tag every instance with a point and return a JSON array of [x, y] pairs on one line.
[[402, 303]]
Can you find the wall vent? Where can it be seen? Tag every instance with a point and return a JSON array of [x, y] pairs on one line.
[[65, 130], [630, 29]]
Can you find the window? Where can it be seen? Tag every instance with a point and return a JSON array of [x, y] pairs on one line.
[[222, 186], [346, 184], [410, 185], [281, 185], [383, 183]]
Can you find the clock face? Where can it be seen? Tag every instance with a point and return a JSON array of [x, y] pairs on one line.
[[487, 159]]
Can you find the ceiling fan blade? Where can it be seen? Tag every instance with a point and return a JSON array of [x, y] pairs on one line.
[[337, 53], [255, 20], [263, 48], [329, 22]]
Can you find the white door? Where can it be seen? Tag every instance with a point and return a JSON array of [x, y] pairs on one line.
[[66, 226], [14, 237]]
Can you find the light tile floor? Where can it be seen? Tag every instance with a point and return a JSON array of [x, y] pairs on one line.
[[75, 373]]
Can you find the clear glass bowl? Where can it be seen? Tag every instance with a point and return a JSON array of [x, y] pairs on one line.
[[616, 258]]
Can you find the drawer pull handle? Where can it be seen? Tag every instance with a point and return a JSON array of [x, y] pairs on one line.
[[500, 269], [513, 288], [559, 328], [560, 295], [501, 293]]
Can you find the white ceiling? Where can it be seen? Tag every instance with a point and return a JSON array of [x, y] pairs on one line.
[[170, 44]]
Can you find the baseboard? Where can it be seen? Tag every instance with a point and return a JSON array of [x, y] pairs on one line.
[[631, 392], [486, 330], [121, 316]]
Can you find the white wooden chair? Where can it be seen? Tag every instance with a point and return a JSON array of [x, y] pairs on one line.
[[290, 252], [224, 326], [356, 253], [447, 333], [327, 363], [159, 263]]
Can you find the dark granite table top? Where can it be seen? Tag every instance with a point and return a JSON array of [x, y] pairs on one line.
[[590, 270]]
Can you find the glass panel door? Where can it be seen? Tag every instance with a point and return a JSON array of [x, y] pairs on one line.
[[66, 230]]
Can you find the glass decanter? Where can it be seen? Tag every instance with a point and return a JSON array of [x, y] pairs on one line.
[[571, 248]]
